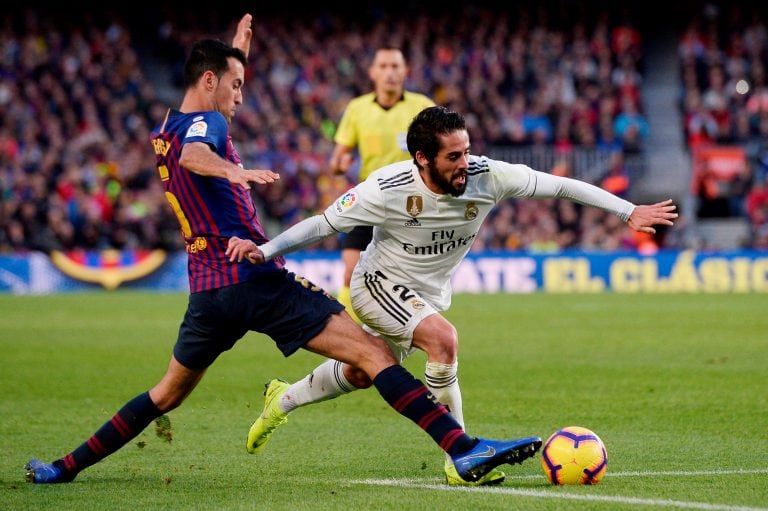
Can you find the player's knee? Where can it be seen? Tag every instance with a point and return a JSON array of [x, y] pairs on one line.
[[443, 345], [451, 342]]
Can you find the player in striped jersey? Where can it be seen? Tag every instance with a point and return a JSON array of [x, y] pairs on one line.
[[426, 214], [375, 124], [207, 187]]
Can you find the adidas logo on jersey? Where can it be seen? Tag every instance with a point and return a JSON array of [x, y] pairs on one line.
[[412, 223]]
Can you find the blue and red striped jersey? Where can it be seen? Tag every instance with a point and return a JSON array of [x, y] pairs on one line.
[[210, 209]]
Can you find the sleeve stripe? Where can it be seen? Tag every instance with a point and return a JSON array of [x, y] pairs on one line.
[[329, 222]]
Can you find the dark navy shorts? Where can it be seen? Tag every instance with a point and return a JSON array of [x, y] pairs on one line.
[[282, 305], [358, 238]]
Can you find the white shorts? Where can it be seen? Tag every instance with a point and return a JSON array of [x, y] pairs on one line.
[[388, 310]]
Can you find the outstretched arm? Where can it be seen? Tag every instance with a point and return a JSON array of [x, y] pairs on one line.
[[303, 234], [643, 217], [640, 218]]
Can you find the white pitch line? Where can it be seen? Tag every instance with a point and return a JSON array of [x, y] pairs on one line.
[[415, 483], [687, 473], [736, 471]]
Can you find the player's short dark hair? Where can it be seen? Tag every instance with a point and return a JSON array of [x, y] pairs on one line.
[[209, 55], [427, 125]]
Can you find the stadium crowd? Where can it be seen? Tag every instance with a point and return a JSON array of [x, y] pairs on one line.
[[724, 99], [78, 100]]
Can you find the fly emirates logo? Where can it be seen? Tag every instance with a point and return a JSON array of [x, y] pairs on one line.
[[442, 243]]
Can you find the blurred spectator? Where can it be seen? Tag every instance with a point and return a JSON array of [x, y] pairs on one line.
[[631, 126], [616, 179], [757, 205], [700, 125], [721, 195]]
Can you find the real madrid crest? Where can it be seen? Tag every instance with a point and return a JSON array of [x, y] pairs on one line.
[[471, 212], [414, 205]]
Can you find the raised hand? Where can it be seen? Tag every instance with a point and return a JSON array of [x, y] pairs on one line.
[[243, 34]]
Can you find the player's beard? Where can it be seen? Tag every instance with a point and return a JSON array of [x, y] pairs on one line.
[[445, 184]]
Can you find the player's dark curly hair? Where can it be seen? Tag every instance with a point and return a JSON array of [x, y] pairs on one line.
[[209, 55], [427, 125]]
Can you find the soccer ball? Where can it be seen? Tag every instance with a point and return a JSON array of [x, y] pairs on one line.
[[574, 455]]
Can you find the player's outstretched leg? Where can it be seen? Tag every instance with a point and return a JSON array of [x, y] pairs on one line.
[[487, 454], [125, 425], [271, 416]]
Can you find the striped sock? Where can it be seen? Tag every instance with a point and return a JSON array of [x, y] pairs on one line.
[[410, 398], [131, 420]]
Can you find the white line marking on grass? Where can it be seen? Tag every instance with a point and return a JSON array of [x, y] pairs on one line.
[[737, 471], [688, 473], [556, 494]]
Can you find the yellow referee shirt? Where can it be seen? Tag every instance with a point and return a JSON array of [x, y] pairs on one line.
[[379, 134]]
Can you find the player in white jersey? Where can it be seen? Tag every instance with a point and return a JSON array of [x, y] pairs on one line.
[[426, 214]]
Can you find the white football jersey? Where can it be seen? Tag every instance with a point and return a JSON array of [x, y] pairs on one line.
[[420, 237]]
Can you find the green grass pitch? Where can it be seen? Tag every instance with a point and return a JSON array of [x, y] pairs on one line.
[[675, 385]]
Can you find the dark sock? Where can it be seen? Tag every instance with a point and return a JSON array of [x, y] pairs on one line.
[[411, 398], [131, 420]]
